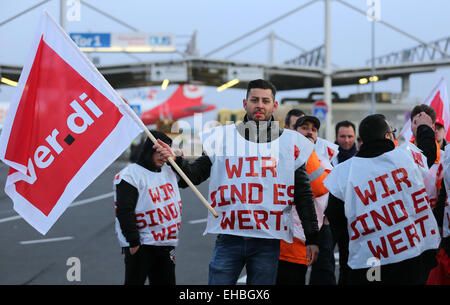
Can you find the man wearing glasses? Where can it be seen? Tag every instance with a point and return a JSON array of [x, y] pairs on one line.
[[378, 200]]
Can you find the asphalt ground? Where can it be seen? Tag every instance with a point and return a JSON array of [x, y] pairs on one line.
[[85, 233], [84, 236]]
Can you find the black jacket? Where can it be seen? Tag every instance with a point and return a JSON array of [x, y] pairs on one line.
[[439, 211], [199, 170], [335, 209]]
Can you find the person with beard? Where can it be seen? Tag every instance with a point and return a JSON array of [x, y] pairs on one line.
[[395, 176], [345, 138], [247, 199], [144, 191]]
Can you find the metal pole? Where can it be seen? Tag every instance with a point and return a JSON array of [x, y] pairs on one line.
[[373, 68], [396, 29], [62, 14], [252, 44], [22, 13], [327, 74], [289, 43], [257, 29], [272, 48], [109, 16]]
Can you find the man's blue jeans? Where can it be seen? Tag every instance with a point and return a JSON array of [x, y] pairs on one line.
[[232, 253]]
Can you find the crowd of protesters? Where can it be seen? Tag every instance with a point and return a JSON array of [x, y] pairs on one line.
[[286, 199]]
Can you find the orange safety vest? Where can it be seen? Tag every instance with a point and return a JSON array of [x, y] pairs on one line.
[[316, 175]]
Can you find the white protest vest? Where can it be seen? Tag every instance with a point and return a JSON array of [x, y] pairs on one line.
[[326, 150], [252, 184], [446, 221], [434, 174], [386, 205], [326, 154], [158, 208], [320, 204]]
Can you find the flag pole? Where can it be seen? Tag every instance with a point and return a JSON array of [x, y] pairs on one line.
[[126, 108], [185, 178], [180, 172]]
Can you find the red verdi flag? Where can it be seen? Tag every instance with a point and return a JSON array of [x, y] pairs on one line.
[[438, 100], [65, 126]]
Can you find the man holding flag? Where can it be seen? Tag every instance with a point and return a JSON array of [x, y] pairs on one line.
[[256, 174]]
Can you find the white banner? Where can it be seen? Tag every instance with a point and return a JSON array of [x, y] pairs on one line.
[[386, 206]]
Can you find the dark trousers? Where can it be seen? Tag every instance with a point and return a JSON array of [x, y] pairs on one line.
[[150, 262], [413, 271], [341, 239], [323, 270], [291, 273]]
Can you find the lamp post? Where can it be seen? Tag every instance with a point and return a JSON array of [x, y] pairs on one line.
[[62, 14], [327, 73], [372, 96]]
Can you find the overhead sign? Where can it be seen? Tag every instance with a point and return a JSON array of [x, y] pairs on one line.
[[320, 110], [125, 42], [92, 40]]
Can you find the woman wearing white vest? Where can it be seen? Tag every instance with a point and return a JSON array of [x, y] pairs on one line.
[[379, 199], [148, 216], [256, 173]]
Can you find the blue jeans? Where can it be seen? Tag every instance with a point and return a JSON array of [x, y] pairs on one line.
[[232, 253]]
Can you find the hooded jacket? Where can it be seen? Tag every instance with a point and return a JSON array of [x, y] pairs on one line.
[[127, 195]]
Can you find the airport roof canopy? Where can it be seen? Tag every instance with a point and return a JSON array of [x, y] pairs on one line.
[[212, 72]]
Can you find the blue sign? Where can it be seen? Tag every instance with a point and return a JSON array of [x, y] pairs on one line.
[[320, 110], [136, 108], [320, 113], [92, 40], [160, 40]]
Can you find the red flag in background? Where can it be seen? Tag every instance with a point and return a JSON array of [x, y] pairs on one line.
[[65, 126], [438, 100]]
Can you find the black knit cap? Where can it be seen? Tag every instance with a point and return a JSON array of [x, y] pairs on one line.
[[146, 154]]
